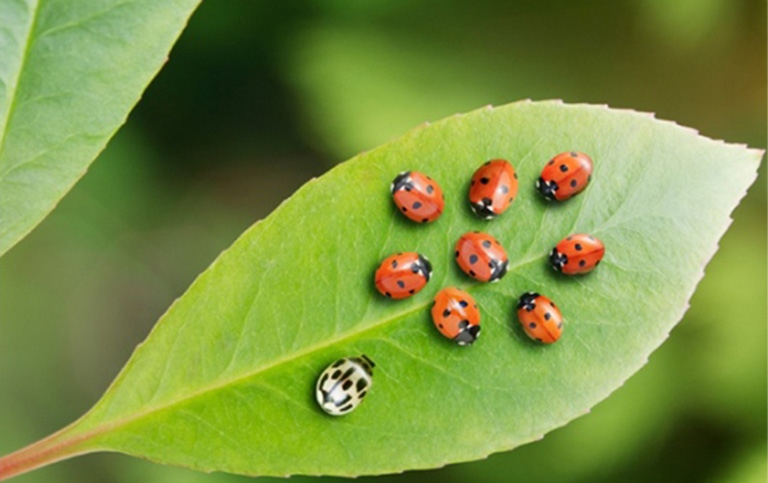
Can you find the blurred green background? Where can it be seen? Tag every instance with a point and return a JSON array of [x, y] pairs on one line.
[[260, 96]]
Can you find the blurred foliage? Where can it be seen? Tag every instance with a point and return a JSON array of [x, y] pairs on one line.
[[260, 96]]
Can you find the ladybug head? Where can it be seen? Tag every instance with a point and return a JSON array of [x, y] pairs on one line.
[[367, 363], [527, 301], [484, 209], [498, 269], [468, 335], [557, 259], [402, 182], [546, 188], [423, 266]]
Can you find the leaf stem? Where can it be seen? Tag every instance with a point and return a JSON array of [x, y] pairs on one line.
[[56, 447]]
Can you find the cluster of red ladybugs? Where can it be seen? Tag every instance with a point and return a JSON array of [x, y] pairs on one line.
[[492, 190], [455, 313]]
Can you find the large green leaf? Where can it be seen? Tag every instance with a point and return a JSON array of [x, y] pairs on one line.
[[225, 380], [70, 71]]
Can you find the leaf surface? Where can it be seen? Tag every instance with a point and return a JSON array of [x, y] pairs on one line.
[[225, 380], [70, 71]]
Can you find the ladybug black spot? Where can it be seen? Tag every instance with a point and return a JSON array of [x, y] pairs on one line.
[[547, 316], [388, 294], [473, 259], [574, 154], [504, 189], [401, 284], [560, 325], [417, 205], [573, 183], [463, 303], [471, 273], [582, 263], [484, 180], [430, 189], [515, 175], [551, 162], [532, 325], [457, 254], [563, 168], [394, 263], [404, 209], [487, 243], [446, 312], [578, 247]]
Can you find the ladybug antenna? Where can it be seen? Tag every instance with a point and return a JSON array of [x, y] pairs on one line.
[[368, 360]]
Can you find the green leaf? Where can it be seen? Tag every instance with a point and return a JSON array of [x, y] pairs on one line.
[[70, 71], [225, 380]]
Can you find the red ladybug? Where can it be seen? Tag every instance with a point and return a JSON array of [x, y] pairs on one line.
[[493, 188], [577, 254], [402, 275], [418, 196], [481, 256], [541, 320], [456, 315], [565, 175]]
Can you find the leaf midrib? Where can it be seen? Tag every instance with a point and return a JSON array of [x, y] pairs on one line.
[[14, 86], [103, 428]]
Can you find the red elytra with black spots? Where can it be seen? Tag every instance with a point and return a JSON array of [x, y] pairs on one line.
[[493, 188], [401, 275], [540, 318], [565, 175], [417, 196], [577, 254], [481, 257], [456, 316]]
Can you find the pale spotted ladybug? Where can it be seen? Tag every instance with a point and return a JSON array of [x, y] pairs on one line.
[[343, 385]]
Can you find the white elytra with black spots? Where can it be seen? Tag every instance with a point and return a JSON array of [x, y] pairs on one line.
[[343, 385]]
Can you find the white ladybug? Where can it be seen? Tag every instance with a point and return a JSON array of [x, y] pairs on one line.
[[343, 384]]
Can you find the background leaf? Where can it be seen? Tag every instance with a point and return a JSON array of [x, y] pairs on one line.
[[225, 379], [70, 73]]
